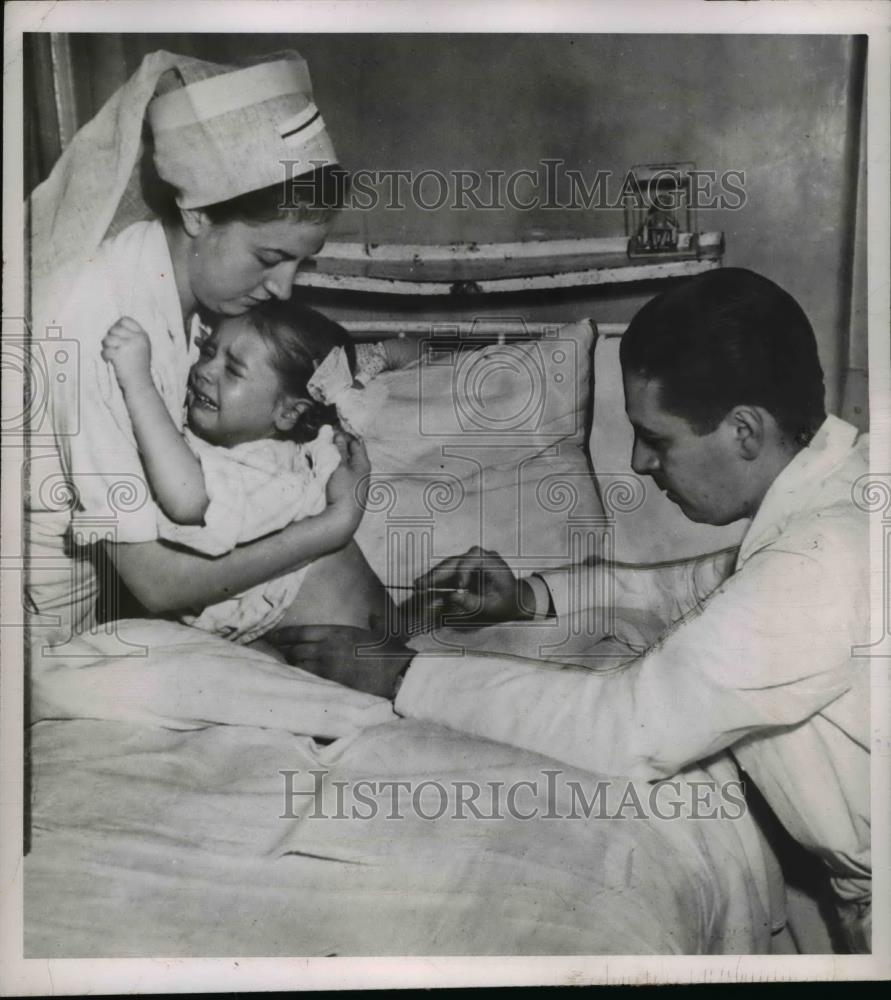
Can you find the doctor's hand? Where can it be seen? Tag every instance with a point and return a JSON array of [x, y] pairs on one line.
[[128, 348], [357, 658], [482, 589]]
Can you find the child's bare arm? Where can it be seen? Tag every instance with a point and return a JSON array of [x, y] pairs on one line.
[[163, 578], [174, 473], [401, 351]]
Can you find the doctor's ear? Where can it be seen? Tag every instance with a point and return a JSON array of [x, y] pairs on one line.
[[195, 221], [288, 411], [749, 429]]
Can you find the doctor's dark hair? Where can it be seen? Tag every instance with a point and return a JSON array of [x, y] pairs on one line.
[[726, 338], [299, 339]]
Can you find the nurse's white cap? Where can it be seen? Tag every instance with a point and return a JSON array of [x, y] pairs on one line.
[[223, 131]]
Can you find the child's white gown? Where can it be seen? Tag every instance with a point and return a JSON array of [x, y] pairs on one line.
[[254, 489]]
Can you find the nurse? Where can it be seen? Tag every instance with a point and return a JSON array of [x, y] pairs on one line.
[[249, 184]]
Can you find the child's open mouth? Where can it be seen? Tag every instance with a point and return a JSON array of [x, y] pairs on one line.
[[199, 399]]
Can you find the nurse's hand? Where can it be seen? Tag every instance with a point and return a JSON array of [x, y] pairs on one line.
[[128, 348], [480, 587], [355, 657], [346, 485]]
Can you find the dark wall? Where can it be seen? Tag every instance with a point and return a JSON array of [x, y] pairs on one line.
[[783, 109]]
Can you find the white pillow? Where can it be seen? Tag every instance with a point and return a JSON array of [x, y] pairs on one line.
[[482, 447]]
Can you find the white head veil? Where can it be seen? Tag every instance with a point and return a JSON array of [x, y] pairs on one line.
[[219, 131]]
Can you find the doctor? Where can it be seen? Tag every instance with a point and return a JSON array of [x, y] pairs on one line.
[[724, 389]]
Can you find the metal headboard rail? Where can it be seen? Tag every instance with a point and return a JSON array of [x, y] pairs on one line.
[[480, 268], [475, 332]]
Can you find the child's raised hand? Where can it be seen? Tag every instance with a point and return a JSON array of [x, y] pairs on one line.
[[128, 348], [345, 486]]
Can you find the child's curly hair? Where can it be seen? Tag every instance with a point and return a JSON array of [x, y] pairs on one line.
[[300, 338]]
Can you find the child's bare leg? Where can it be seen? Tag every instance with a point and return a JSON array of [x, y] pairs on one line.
[[341, 589], [267, 647]]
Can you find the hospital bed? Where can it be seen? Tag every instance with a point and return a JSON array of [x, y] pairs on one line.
[[163, 820]]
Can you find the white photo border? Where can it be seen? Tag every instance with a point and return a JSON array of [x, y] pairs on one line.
[[62, 976]]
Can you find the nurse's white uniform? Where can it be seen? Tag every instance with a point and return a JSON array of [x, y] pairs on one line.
[[91, 485]]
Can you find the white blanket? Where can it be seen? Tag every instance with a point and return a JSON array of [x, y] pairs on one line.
[[157, 828]]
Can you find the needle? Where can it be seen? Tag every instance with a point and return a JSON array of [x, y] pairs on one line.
[[429, 590]]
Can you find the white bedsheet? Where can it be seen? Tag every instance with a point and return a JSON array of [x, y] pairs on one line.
[[157, 830]]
